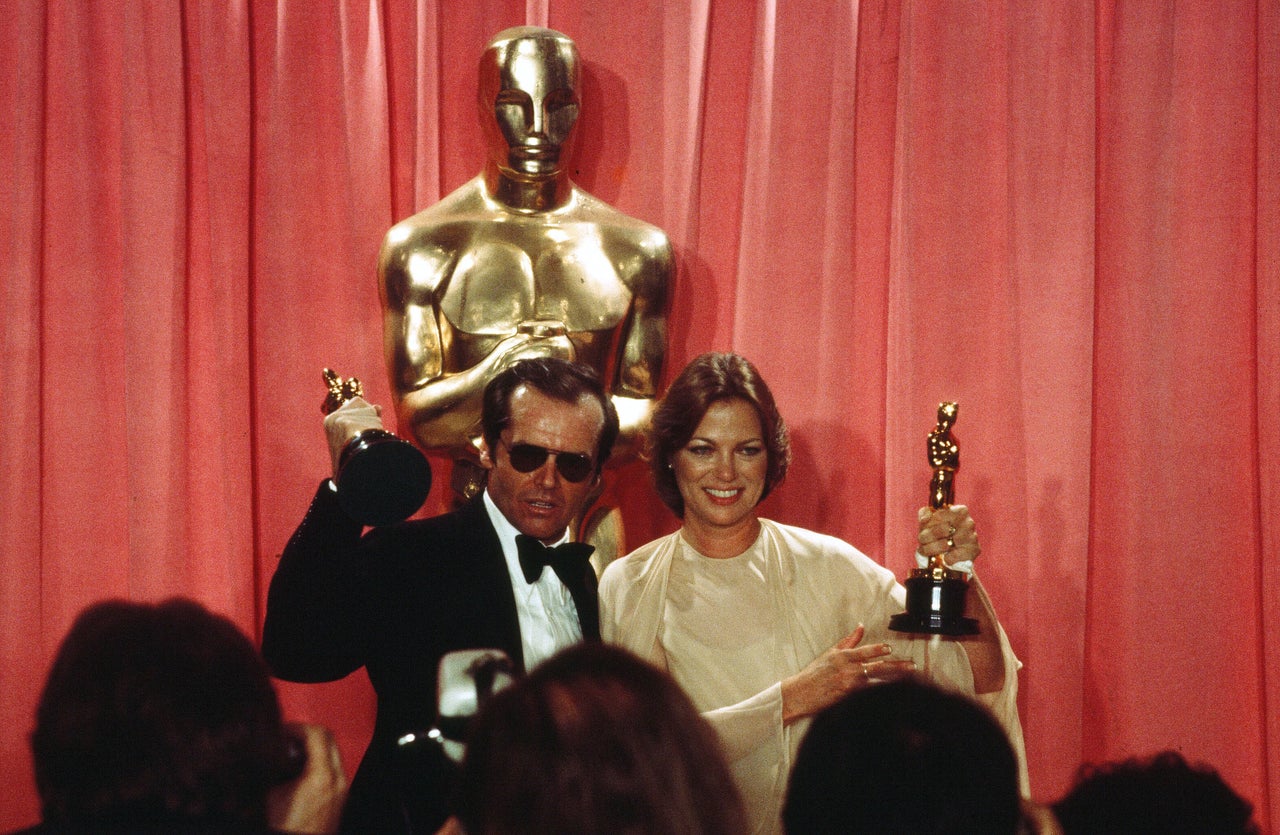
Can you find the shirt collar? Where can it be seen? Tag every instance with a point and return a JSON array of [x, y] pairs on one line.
[[507, 533]]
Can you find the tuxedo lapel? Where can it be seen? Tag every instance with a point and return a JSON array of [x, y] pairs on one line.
[[493, 581], [588, 604]]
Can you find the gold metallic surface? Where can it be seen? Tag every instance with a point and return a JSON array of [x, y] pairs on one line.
[[936, 593], [605, 530], [340, 390], [520, 262], [944, 458]]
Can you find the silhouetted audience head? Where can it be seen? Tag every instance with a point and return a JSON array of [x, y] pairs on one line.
[[904, 758], [595, 740], [1158, 794], [155, 717]]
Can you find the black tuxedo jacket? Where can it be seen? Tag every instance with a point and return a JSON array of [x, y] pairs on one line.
[[394, 601]]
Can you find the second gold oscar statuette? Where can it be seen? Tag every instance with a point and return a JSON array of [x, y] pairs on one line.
[[936, 593]]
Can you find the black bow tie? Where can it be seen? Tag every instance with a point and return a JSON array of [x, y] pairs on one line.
[[568, 561]]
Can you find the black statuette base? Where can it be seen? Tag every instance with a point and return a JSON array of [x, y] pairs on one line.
[[935, 605], [382, 479]]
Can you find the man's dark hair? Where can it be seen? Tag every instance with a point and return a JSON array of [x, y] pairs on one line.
[[711, 378], [563, 380], [157, 712], [1160, 794], [902, 758], [595, 740]]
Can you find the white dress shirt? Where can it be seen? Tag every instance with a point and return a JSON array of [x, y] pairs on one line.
[[548, 616]]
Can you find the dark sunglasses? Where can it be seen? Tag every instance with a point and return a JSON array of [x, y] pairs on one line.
[[525, 458]]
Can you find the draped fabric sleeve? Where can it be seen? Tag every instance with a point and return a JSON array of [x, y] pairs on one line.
[[834, 587], [632, 594], [746, 726], [1004, 702]]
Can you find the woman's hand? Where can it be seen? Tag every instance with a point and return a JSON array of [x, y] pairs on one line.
[[950, 531], [840, 670]]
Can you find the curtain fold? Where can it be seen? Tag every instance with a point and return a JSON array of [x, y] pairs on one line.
[[22, 611], [1267, 308], [1175, 409], [1066, 217]]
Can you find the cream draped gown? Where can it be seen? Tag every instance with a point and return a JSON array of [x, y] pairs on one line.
[[730, 630]]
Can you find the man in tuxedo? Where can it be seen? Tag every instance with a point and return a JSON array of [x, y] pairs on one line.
[[398, 598]]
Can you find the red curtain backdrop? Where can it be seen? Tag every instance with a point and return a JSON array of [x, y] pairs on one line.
[[1064, 216]]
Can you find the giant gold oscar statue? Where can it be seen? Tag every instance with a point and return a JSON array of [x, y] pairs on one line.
[[520, 262], [936, 593]]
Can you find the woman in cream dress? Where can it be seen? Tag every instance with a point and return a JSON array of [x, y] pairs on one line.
[[765, 624]]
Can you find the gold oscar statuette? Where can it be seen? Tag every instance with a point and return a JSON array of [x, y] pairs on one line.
[[382, 478], [936, 593]]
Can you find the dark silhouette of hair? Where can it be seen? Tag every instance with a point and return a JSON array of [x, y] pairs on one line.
[[595, 740], [904, 758], [708, 379], [563, 380], [1160, 794], [154, 713]]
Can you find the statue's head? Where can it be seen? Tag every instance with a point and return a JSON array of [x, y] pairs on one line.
[[529, 100], [947, 415]]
